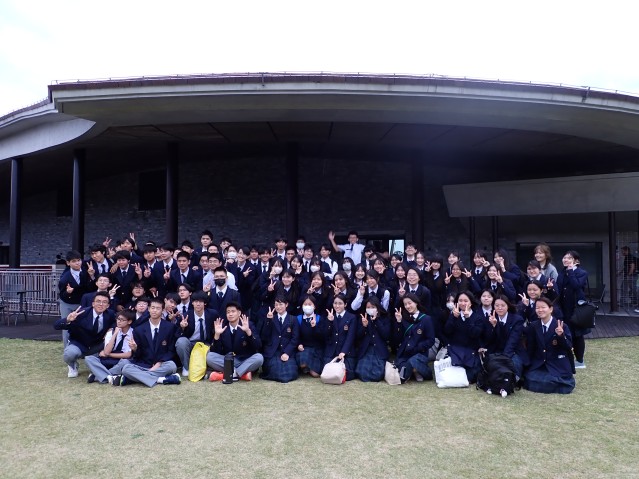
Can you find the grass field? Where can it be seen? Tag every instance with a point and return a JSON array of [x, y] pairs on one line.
[[54, 427]]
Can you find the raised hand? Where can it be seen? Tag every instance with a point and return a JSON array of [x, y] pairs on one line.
[[455, 311], [498, 278], [271, 287], [427, 266], [113, 291], [244, 324], [106, 242], [330, 315], [247, 272], [90, 269], [559, 330], [331, 236], [69, 288], [364, 321], [269, 315], [467, 273], [138, 270], [219, 329], [398, 315], [185, 322], [132, 344], [73, 315], [447, 278], [524, 299], [492, 319]]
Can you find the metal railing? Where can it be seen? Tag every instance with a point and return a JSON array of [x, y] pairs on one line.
[[30, 291]]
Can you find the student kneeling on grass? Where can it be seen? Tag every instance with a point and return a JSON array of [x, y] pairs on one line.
[[549, 345], [152, 347], [108, 362], [280, 336], [237, 335]]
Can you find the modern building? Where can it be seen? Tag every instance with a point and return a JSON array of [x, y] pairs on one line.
[[440, 162]]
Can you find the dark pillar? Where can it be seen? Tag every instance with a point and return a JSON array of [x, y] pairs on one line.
[[612, 257], [471, 238], [77, 225], [495, 234], [15, 213], [172, 167], [292, 196], [417, 202]]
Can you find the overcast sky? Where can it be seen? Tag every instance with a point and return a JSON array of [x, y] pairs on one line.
[[578, 43]]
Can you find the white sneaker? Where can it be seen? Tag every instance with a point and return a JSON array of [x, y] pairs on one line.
[[579, 365], [418, 377], [73, 372], [185, 372], [637, 310]]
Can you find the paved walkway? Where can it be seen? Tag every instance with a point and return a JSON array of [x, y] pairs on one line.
[[608, 326]]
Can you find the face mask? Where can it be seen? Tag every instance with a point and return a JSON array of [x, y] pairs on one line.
[[231, 255], [372, 312], [308, 309], [315, 268], [450, 306], [220, 282], [346, 266], [300, 245], [277, 269]]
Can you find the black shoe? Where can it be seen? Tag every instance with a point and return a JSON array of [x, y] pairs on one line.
[[172, 379], [120, 380], [91, 378]]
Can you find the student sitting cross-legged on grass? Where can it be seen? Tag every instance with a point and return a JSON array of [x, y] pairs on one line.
[[280, 336], [86, 331], [237, 335], [153, 347], [414, 334], [108, 362], [549, 344]]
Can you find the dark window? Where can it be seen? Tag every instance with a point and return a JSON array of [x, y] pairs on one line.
[[152, 190]]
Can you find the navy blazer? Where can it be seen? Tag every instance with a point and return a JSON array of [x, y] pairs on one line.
[[245, 283], [413, 337], [312, 337], [422, 292], [87, 301], [81, 332], [79, 289], [278, 338], [124, 293], [571, 287], [219, 305], [193, 279], [504, 338], [465, 333], [340, 335], [240, 344], [146, 355], [549, 349], [210, 315], [376, 334]]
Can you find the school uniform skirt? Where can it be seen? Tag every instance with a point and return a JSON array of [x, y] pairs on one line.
[[311, 358], [541, 381], [349, 362], [274, 369], [370, 367], [418, 361]]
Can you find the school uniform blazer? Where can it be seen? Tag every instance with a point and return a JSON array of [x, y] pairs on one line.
[[413, 337], [312, 337], [514, 274], [480, 278], [210, 315], [465, 333], [245, 283], [96, 267], [506, 288], [504, 338], [156, 280], [81, 332], [141, 320], [87, 301], [78, 288], [570, 287], [422, 292], [549, 349], [340, 335], [146, 355], [124, 293], [240, 344], [377, 334], [193, 279], [278, 338], [437, 289], [218, 304]]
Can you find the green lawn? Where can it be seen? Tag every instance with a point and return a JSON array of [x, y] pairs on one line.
[[58, 427]]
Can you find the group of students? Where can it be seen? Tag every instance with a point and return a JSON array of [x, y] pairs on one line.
[[134, 315]]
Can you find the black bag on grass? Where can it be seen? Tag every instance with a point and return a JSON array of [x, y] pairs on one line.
[[497, 375]]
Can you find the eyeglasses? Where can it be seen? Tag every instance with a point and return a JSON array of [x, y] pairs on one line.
[[120, 318], [101, 301]]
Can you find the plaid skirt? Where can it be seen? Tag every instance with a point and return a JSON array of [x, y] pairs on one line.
[[312, 358], [418, 361], [350, 364], [274, 369], [371, 367], [541, 381]]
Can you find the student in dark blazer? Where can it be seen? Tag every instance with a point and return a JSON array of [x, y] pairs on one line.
[[340, 330], [310, 351], [153, 348], [236, 335], [196, 326], [413, 333], [183, 274], [86, 331], [503, 331], [280, 338], [124, 276], [109, 361], [373, 333], [549, 345], [245, 276], [463, 330], [73, 283], [103, 284], [222, 295]]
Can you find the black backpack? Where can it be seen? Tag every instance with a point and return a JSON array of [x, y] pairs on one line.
[[497, 375]]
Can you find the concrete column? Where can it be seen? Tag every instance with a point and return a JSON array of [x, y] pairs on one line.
[[77, 225], [612, 258], [292, 191], [172, 183], [15, 213]]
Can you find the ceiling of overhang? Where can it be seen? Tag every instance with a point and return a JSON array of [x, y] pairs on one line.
[[476, 154]]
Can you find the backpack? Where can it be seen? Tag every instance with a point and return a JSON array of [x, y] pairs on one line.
[[497, 375]]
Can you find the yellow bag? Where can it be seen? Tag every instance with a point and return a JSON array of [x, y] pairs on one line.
[[197, 362]]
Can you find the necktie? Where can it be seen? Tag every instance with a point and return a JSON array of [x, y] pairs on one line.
[[477, 271], [339, 317], [545, 329], [183, 310], [96, 324], [494, 286], [281, 319], [120, 345], [487, 315], [220, 294], [155, 338], [102, 268], [413, 291], [202, 337], [183, 278], [232, 335], [263, 269], [123, 273]]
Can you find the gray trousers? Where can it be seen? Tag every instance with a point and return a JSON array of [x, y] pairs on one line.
[[183, 348], [100, 371], [65, 309], [71, 354], [144, 375], [216, 362]]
